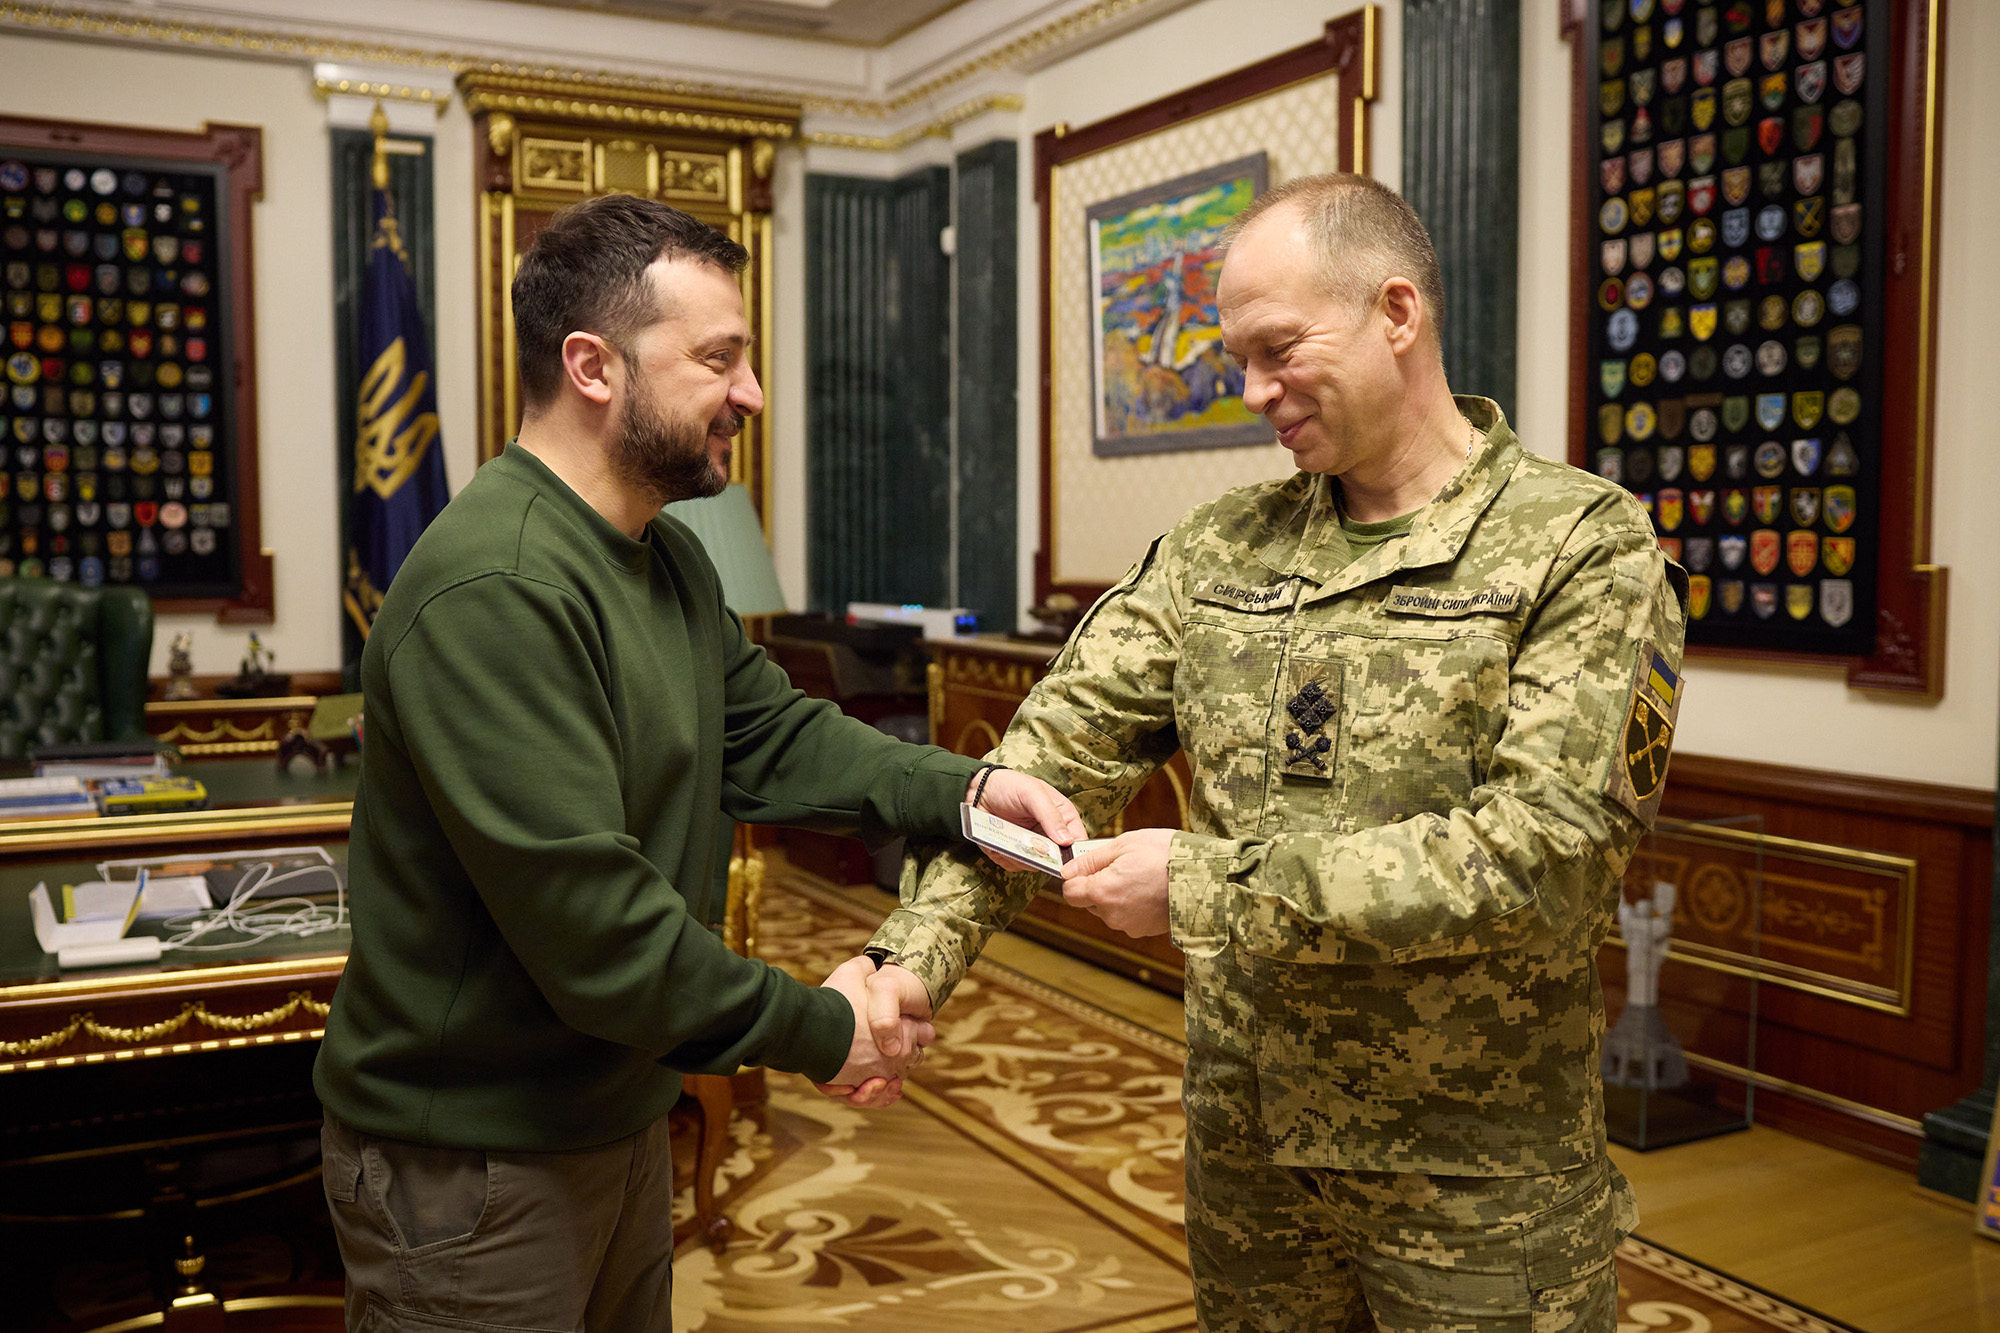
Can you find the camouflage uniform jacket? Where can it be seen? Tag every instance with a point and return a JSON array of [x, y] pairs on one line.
[[1418, 777]]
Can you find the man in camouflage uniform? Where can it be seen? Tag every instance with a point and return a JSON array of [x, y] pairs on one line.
[[1426, 688]]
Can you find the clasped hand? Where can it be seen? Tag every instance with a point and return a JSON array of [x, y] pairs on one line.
[[892, 1027], [892, 1007]]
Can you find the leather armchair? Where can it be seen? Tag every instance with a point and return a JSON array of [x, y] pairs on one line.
[[73, 664]]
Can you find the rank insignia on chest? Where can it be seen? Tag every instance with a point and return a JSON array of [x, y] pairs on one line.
[[1639, 768], [1313, 703]]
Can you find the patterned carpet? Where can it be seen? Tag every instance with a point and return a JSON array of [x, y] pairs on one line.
[[1029, 1180]]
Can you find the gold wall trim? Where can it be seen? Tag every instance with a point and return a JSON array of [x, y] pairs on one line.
[[328, 818], [939, 128], [574, 107], [1898, 1001]]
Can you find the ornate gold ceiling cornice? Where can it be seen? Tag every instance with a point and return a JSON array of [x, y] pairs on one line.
[[278, 44], [940, 128], [488, 89]]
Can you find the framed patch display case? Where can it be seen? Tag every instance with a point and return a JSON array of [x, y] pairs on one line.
[[129, 421], [1754, 243]]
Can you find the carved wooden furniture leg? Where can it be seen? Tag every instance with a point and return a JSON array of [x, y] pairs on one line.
[[717, 1099]]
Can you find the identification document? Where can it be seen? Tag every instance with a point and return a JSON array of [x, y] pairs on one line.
[[995, 834], [988, 830]]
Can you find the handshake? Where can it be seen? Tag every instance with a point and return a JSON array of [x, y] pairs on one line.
[[892, 1028], [1124, 882], [892, 1006]]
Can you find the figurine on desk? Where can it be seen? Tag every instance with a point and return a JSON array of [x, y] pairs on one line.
[[180, 667], [254, 679]]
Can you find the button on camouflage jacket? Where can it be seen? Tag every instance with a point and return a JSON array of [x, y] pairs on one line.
[[1419, 773]]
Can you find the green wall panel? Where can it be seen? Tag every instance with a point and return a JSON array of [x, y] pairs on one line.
[[878, 400], [1461, 167], [987, 388]]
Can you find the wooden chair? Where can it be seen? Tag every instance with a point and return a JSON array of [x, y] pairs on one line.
[[716, 1096]]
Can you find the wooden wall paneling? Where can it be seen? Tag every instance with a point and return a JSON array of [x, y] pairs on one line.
[[1846, 1068]]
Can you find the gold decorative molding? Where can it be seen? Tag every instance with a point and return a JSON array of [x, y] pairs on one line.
[[939, 128], [197, 1012], [1026, 47], [579, 84], [1014, 678], [613, 102], [1716, 900], [324, 88]]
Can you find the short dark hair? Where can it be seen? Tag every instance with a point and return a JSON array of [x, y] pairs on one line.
[[1363, 233], [586, 272]]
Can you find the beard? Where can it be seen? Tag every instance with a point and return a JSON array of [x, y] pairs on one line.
[[667, 457]]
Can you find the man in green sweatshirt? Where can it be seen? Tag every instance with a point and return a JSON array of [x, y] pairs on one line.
[[560, 710]]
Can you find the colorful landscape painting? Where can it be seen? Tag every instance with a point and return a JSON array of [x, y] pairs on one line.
[[1162, 379]]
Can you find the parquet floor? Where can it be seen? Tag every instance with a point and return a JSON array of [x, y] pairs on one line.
[[1848, 1237]]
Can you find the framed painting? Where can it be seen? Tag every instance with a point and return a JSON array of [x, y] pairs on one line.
[[1137, 400], [1161, 380]]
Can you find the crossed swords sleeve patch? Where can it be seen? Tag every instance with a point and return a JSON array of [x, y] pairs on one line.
[[1638, 774]]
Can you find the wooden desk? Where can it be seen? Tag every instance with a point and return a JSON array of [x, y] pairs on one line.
[[134, 1100], [976, 684]]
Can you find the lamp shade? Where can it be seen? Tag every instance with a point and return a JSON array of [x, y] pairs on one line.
[[727, 527]]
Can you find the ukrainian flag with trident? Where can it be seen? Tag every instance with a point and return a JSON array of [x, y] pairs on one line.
[[399, 481]]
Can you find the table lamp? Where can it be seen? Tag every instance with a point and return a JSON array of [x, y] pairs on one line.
[[729, 531], [727, 527]]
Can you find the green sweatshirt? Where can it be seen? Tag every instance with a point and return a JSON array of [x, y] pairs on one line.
[[558, 716]]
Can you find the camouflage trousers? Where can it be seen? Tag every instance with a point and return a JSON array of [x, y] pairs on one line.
[[1290, 1248]]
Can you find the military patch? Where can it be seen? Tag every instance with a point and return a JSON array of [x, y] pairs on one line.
[[1838, 553], [1840, 508], [1799, 600], [1732, 547], [1452, 603], [1638, 773], [1257, 600], [1802, 552], [1313, 701], [1764, 550], [1730, 594], [1699, 591]]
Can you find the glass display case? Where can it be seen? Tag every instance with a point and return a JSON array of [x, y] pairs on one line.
[[1680, 976]]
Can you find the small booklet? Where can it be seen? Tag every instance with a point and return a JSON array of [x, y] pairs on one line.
[[986, 829]]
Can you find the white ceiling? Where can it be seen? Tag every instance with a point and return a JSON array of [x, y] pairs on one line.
[[863, 22]]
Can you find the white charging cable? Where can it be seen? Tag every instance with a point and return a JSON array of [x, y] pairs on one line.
[[277, 916]]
